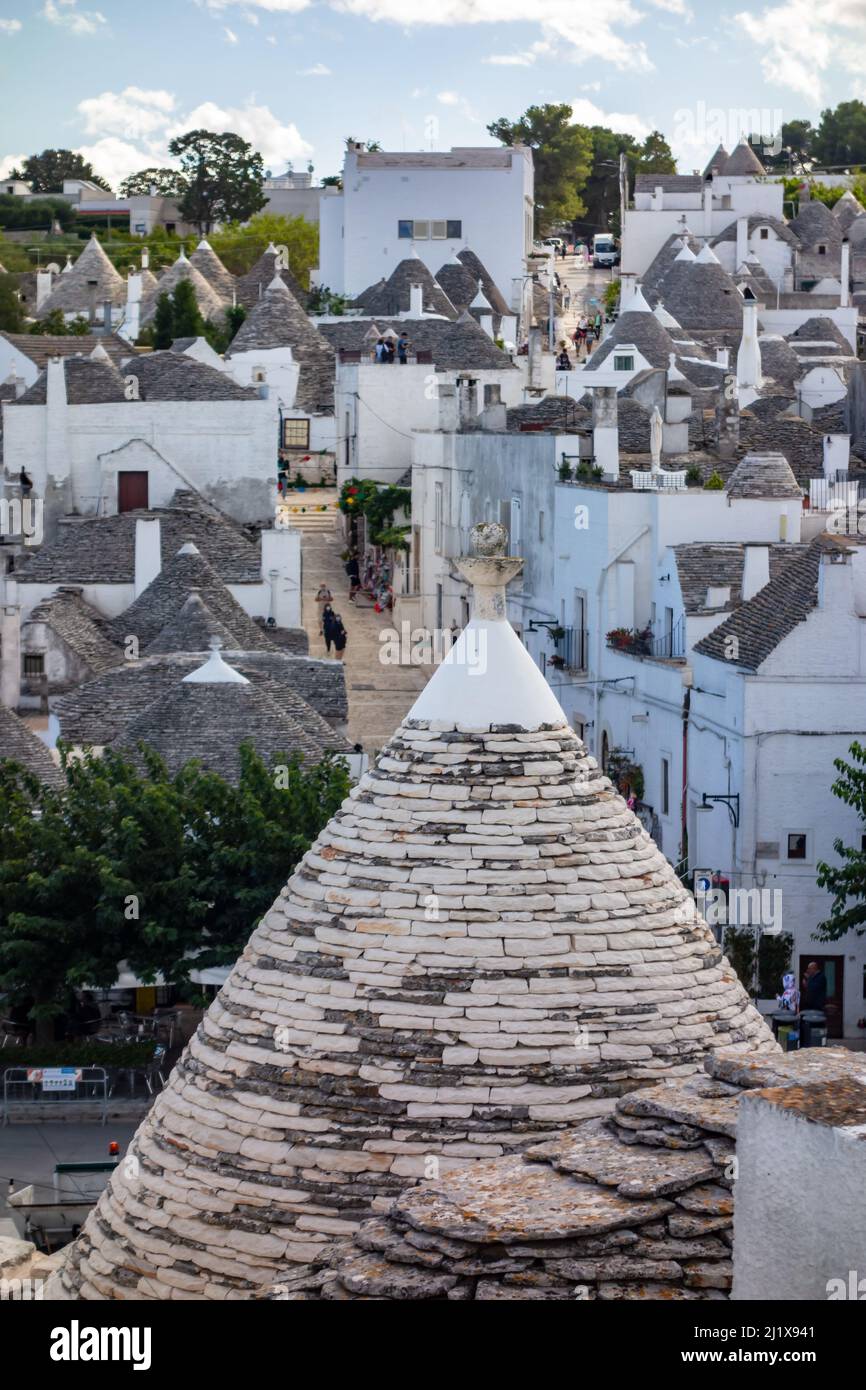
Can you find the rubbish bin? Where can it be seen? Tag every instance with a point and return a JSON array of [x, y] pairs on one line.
[[813, 1028], [786, 1030]]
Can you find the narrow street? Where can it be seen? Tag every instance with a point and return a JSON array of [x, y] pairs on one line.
[[379, 695]]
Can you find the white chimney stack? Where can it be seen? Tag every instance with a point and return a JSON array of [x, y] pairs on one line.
[[145, 258], [148, 552], [43, 286], [845, 275], [605, 431], [627, 290], [742, 241], [837, 454], [723, 356], [708, 209], [756, 570], [749, 352], [416, 301]]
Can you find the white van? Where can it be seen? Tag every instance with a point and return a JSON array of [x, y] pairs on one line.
[[604, 252]]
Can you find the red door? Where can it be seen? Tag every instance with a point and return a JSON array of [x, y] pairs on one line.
[[131, 491]]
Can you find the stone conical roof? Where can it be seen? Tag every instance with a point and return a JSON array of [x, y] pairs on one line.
[[742, 161], [212, 305], [717, 161], [210, 713], [482, 946], [662, 262], [701, 294], [72, 292], [478, 270], [458, 282], [394, 297], [847, 210], [19, 744], [208, 263], [251, 287], [278, 320], [191, 629], [167, 594]]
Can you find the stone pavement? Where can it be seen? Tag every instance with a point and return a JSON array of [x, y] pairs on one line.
[[586, 284], [379, 696]]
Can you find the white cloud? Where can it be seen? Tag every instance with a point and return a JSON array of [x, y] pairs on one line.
[[131, 130], [10, 26], [583, 33], [585, 112], [272, 39], [133, 112], [270, 6], [231, 36], [510, 60], [317, 70], [448, 98], [8, 162], [64, 14], [275, 141], [798, 41]]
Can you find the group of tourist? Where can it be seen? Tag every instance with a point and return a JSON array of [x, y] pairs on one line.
[[387, 349], [331, 624]]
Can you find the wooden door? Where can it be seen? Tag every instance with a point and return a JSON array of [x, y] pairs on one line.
[[834, 969], [131, 491]]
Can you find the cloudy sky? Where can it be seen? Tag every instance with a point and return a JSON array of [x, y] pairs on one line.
[[117, 78]]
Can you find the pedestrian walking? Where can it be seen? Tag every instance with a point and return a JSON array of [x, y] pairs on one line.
[[353, 570], [340, 637], [328, 622], [324, 596], [402, 349]]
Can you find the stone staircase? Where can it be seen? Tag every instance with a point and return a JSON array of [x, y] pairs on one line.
[[305, 509]]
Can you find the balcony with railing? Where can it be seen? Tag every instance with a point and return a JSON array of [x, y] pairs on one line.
[[661, 643], [643, 480], [572, 648]]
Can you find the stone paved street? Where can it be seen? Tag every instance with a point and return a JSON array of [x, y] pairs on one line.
[[379, 696]]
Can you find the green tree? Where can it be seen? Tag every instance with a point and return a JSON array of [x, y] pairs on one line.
[[601, 194], [163, 323], [847, 880], [840, 139], [45, 172], [562, 153], [10, 305], [38, 213], [240, 245], [167, 183], [222, 178], [187, 321], [125, 862]]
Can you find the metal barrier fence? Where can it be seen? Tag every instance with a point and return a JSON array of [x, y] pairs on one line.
[[63, 1085]]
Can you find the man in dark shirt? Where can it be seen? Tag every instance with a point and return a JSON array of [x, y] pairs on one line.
[[814, 995]]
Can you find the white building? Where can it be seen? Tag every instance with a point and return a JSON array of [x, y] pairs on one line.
[[96, 439], [437, 203]]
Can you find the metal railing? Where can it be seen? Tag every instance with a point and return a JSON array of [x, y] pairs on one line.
[[833, 494], [573, 649], [643, 480], [28, 1085], [667, 644]]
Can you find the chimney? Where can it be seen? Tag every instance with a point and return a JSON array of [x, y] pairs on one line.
[[132, 315], [106, 316], [10, 667], [486, 324], [605, 431], [449, 417], [728, 418], [836, 583], [658, 201], [627, 290], [723, 356], [708, 209], [467, 395], [845, 274], [749, 353], [416, 301], [494, 415], [148, 555], [756, 569], [534, 358], [145, 258], [742, 241], [788, 279], [55, 382], [837, 454], [43, 286]]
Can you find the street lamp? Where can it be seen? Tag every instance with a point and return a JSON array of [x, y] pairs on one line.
[[732, 802]]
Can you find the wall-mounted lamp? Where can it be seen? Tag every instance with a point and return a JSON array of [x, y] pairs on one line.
[[732, 802]]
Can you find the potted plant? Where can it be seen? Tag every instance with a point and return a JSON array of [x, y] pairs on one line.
[[715, 482], [565, 472], [619, 637], [557, 633], [557, 662], [693, 476]]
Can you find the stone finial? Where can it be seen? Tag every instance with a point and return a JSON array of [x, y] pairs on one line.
[[489, 570], [489, 538]]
